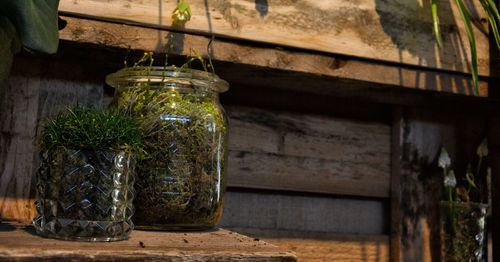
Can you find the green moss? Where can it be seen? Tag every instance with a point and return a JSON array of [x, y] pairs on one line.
[[181, 182], [91, 129]]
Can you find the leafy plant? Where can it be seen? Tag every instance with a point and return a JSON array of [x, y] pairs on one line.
[[27, 23], [491, 10], [91, 129], [463, 214]]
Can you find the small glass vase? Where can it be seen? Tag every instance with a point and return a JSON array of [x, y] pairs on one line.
[[85, 195], [463, 231], [181, 184]]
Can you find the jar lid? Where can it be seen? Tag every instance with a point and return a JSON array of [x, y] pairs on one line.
[[167, 76]]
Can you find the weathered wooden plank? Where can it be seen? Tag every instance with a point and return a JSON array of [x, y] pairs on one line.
[[330, 65], [354, 248], [308, 153], [17, 145], [390, 30], [33, 93], [18, 243], [395, 225], [306, 174], [304, 213], [325, 246]]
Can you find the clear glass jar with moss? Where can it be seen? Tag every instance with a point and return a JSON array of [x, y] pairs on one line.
[[181, 178]]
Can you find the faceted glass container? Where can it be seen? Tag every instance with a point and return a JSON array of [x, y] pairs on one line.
[[181, 180], [85, 195], [463, 231]]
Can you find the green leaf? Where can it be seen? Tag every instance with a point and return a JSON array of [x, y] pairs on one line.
[[9, 45], [493, 7], [492, 19], [472, 41], [435, 22], [35, 21]]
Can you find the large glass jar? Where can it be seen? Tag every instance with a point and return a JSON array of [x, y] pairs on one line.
[[181, 177]]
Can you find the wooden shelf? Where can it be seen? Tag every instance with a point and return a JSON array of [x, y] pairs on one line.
[[19, 243], [376, 30]]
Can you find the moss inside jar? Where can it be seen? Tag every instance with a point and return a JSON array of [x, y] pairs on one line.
[[85, 181], [181, 181]]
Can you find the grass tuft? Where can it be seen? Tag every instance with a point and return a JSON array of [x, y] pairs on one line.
[[89, 128]]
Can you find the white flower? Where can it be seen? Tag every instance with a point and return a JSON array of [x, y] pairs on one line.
[[482, 149], [450, 180], [444, 159]]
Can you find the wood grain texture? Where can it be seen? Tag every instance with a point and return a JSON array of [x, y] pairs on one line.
[[18, 243], [285, 151], [316, 247], [274, 211], [389, 30], [31, 96], [395, 225], [327, 65], [353, 248]]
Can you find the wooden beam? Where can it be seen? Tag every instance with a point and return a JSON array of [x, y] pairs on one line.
[[372, 73], [395, 236], [393, 31], [19, 243]]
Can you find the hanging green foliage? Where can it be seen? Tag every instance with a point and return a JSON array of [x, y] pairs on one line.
[[491, 10]]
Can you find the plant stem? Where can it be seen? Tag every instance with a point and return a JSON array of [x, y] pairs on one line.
[[450, 194], [479, 166]]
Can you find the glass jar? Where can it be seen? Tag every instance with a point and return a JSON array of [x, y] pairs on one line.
[[181, 178], [85, 195], [463, 231]]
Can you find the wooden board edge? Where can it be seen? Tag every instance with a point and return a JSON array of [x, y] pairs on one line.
[[116, 35]]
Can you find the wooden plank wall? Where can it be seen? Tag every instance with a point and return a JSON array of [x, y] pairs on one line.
[[309, 169], [388, 30], [35, 91], [303, 172]]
